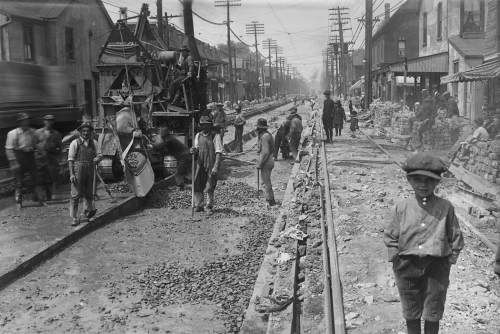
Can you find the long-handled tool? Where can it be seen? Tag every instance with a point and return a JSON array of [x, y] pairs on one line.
[[105, 186], [92, 212], [239, 160], [258, 183], [192, 171]]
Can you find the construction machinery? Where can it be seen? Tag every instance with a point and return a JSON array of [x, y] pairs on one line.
[[136, 70]]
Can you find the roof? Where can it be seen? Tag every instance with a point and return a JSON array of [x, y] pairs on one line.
[[470, 47], [407, 7], [42, 9], [481, 72]]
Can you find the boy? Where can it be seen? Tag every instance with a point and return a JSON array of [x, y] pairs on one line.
[[354, 123], [423, 241]]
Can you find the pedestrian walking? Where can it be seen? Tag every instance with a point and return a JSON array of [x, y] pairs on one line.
[[295, 133], [265, 161], [219, 120], [20, 150], [239, 122], [281, 139], [327, 117], [338, 118], [180, 151], [49, 145], [423, 241], [83, 156], [351, 108], [208, 147], [354, 123]]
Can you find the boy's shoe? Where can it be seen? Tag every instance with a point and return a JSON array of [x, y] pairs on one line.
[[271, 202]]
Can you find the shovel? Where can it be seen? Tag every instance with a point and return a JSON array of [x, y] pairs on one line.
[[92, 212], [105, 187], [258, 183]]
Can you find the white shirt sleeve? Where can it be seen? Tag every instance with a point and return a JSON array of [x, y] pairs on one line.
[[218, 144], [196, 141], [72, 150], [11, 138], [97, 148]]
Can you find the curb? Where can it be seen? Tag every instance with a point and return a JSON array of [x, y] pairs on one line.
[[123, 208]]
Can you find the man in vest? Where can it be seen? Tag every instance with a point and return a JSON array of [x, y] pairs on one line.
[[20, 150], [239, 122], [83, 156], [265, 162], [219, 120], [208, 147], [186, 68], [295, 133], [49, 145]]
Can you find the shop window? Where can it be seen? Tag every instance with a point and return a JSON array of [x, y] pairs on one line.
[[472, 16], [401, 48], [424, 29], [29, 43], [440, 21]]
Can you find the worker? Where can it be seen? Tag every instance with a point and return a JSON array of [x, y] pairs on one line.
[[219, 119], [327, 117], [239, 122], [84, 154], [423, 241], [338, 118], [451, 104], [186, 67], [20, 150], [265, 162], [49, 146], [208, 147], [281, 139], [480, 135], [295, 133]]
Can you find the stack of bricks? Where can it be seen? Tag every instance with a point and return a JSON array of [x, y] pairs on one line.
[[437, 138], [485, 160], [400, 125], [383, 112]]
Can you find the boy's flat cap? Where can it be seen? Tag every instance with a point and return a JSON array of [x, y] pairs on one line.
[[425, 163]]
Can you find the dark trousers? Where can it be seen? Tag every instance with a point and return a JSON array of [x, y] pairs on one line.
[[328, 126], [183, 163], [175, 86], [82, 187], [294, 144], [422, 284], [280, 141], [338, 129], [27, 164], [238, 138], [496, 267], [454, 134], [48, 171]]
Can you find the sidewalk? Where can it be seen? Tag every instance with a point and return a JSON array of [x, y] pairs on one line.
[[35, 233]]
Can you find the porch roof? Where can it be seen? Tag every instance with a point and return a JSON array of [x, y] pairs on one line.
[[485, 71]]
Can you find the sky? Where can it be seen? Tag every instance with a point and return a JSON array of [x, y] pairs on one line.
[[300, 27]]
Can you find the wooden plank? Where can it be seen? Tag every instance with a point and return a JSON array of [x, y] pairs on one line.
[[361, 160], [481, 236]]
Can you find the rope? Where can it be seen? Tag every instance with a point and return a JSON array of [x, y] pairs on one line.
[[126, 69]]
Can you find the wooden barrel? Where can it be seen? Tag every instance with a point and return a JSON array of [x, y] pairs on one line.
[[169, 165]]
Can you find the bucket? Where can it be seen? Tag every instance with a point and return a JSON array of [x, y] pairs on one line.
[[169, 165]]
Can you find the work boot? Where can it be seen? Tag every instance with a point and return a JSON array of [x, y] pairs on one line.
[[431, 327], [199, 209], [75, 222], [209, 211], [413, 326], [48, 193], [271, 202]]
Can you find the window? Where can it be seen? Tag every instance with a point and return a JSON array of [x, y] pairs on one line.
[[401, 48], [472, 16], [440, 21], [29, 44], [70, 44], [424, 29], [73, 101]]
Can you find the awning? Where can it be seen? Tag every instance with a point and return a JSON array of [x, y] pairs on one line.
[[481, 72], [436, 63], [357, 85]]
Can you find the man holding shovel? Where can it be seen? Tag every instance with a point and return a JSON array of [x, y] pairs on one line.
[[83, 156], [265, 161]]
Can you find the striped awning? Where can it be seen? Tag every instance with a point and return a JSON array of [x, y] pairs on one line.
[[481, 72], [436, 63]]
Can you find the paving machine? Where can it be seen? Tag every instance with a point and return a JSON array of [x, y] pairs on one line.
[[136, 70]]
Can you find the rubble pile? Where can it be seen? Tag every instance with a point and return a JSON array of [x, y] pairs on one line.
[[383, 112], [226, 194], [438, 137], [226, 281], [485, 160]]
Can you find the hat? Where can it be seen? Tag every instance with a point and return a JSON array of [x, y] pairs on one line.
[[427, 164], [327, 92], [220, 104], [185, 48], [238, 108], [428, 99], [49, 117], [446, 93], [86, 125], [205, 120], [354, 112], [338, 102], [262, 123], [22, 116], [293, 110]]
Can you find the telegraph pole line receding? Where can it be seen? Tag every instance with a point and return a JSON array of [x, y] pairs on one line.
[[340, 19], [255, 29], [229, 3], [270, 44]]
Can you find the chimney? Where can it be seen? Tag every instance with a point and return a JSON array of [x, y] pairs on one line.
[[387, 12], [123, 13]]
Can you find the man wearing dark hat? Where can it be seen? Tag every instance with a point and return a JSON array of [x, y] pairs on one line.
[[281, 139], [426, 115], [338, 118], [49, 145], [451, 104], [20, 150], [265, 162], [327, 117], [83, 155], [295, 133], [208, 146], [219, 120], [423, 240], [239, 122], [185, 65]]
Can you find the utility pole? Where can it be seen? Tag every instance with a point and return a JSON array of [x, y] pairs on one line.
[[255, 29], [228, 4], [281, 62], [368, 51], [340, 19], [270, 44], [159, 19]]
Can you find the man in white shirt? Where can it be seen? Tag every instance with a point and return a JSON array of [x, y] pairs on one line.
[[83, 156], [480, 134], [208, 147]]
